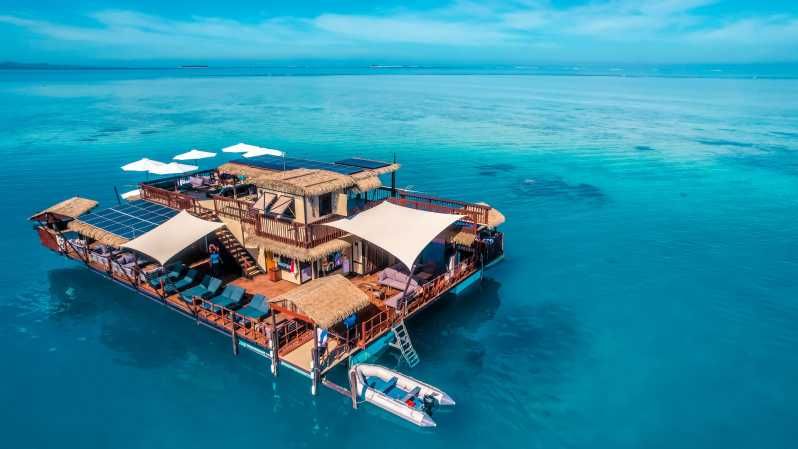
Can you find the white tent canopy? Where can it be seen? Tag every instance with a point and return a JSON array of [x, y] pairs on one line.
[[193, 155], [172, 168], [143, 164], [259, 151], [239, 148], [401, 231], [173, 236]]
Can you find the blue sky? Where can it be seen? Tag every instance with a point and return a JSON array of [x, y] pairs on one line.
[[407, 32]]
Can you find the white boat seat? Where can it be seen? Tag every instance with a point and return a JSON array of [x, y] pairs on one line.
[[412, 394]]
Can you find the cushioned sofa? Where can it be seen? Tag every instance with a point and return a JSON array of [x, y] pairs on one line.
[[395, 279]]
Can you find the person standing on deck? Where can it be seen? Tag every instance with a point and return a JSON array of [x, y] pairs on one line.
[[321, 335], [215, 259]]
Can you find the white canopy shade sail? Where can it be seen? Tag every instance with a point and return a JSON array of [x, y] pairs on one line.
[[172, 168], [193, 155], [402, 231], [239, 148], [172, 236], [263, 152], [143, 164]]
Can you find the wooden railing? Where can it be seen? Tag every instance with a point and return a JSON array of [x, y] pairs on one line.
[[425, 294], [478, 213], [168, 198], [290, 232]]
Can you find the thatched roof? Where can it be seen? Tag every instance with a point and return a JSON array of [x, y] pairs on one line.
[[327, 300], [387, 169], [365, 181], [296, 252], [306, 181], [459, 236], [72, 208], [233, 168], [495, 218], [95, 233]]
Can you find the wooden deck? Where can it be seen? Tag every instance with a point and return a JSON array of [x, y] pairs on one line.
[[261, 284]]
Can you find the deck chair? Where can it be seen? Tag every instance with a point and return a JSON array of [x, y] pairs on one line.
[[257, 308], [230, 297], [264, 201], [182, 283], [205, 289], [174, 273]]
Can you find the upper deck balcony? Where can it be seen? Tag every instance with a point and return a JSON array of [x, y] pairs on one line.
[[249, 195]]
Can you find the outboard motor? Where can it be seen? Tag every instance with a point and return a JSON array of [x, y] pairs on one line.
[[429, 403]]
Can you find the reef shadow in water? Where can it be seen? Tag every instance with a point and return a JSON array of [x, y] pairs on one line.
[[142, 333], [556, 187], [494, 169], [724, 143], [777, 159]]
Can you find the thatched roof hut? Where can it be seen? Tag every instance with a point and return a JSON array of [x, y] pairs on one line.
[[95, 233], [70, 208], [326, 300]]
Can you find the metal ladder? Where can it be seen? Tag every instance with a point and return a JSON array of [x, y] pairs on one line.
[[404, 344]]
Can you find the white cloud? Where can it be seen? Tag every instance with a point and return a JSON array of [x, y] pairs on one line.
[[491, 30]]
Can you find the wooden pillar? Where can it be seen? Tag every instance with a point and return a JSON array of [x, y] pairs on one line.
[[314, 362], [353, 387], [275, 344], [234, 335]]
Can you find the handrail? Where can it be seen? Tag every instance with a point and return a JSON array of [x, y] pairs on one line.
[[477, 212]]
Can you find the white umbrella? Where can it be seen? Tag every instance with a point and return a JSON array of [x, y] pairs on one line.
[[239, 148], [131, 194], [172, 168], [142, 165], [258, 151], [193, 154]]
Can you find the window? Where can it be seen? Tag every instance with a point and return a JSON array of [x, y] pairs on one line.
[[325, 204]]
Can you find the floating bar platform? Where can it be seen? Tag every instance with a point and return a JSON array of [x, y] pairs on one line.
[[310, 265]]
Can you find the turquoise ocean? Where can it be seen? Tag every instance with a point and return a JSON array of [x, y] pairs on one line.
[[648, 299]]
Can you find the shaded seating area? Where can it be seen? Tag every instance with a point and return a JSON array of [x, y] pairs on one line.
[[182, 283], [169, 275]]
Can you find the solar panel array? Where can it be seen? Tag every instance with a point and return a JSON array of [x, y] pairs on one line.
[[290, 163], [129, 220], [363, 163]]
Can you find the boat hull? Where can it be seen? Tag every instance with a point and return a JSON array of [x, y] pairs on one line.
[[361, 372]]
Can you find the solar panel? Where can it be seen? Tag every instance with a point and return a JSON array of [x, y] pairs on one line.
[[129, 220], [363, 163], [290, 163]]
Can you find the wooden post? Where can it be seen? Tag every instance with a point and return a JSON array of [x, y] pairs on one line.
[[234, 335], [353, 387], [314, 361], [407, 286], [275, 344]]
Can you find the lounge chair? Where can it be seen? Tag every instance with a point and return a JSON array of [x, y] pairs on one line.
[[257, 308], [230, 296], [205, 289], [174, 273], [182, 283]]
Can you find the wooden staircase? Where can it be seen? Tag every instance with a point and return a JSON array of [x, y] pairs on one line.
[[233, 247]]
